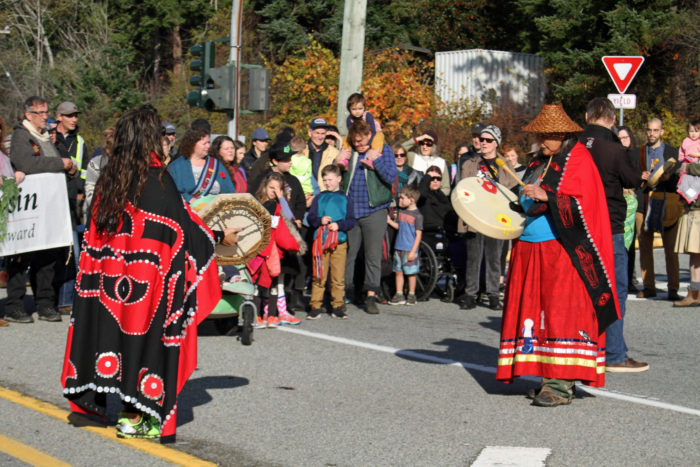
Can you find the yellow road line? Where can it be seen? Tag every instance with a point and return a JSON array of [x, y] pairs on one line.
[[152, 449], [28, 454]]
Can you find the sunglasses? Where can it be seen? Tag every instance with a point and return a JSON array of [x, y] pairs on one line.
[[435, 179], [400, 154], [426, 143], [486, 140]]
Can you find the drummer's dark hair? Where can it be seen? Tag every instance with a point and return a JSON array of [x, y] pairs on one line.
[[136, 144]]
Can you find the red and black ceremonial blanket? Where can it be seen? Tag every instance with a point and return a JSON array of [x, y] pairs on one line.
[[140, 295], [577, 204]]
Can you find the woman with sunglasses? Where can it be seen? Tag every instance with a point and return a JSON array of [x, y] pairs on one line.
[[427, 156], [483, 165], [407, 175]]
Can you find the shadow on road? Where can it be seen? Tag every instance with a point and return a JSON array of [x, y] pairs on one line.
[[196, 393], [477, 359]]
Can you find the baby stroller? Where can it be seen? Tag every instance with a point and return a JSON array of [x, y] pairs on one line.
[[236, 309]]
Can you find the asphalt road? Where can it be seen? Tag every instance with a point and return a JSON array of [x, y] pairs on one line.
[[411, 386]]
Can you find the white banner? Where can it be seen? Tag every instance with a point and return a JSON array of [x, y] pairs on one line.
[[40, 218]]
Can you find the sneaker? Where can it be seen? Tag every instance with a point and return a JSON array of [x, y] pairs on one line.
[[287, 319], [628, 366], [272, 322], [3, 323], [147, 427], [49, 314], [494, 303], [339, 312], [397, 299], [371, 307], [315, 313], [411, 299], [259, 322], [65, 310], [18, 316]]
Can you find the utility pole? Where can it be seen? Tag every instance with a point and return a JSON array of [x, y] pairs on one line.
[[351, 54], [235, 57]]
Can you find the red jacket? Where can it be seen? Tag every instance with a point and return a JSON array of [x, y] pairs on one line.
[[281, 240]]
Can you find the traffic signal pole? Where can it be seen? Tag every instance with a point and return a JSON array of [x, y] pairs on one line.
[[235, 57]]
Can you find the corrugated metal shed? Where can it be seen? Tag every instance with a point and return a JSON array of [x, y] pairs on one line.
[[476, 74]]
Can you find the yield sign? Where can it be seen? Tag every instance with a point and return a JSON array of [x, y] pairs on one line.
[[622, 69]]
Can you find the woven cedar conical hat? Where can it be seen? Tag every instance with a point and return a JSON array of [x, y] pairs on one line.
[[552, 119]]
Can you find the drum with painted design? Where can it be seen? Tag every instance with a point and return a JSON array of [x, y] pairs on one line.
[[487, 207]]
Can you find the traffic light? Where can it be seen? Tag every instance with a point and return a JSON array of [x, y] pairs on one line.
[[202, 65]]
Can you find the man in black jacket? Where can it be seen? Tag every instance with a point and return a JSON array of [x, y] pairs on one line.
[[616, 172]]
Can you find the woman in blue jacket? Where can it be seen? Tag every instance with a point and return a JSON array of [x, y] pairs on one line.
[[198, 174]]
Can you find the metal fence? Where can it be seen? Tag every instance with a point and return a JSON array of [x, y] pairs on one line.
[[491, 76]]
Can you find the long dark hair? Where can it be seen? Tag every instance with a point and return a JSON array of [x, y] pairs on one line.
[[136, 138]]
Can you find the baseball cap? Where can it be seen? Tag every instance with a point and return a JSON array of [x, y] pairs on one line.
[[169, 128], [260, 134], [281, 151], [67, 108], [318, 123], [477, 128]]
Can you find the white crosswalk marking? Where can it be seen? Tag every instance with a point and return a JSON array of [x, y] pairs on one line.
[[509, 456]]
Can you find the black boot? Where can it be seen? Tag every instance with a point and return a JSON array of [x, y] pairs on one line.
[[295, 302]]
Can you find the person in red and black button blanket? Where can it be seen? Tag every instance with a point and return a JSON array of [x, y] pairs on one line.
[[147, 278]]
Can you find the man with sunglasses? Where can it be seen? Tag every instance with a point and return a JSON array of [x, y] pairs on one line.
[[33, 152], [427, 156], [479, 245]]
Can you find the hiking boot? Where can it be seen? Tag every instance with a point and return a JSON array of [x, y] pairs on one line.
[[339, 312], [397, 299], [49, 314], [371, 307], [692, 299], [18, 316], [411, 300], [65, 310], [3, 323], [147, 427], [547, 397], [495, 303], [295, 301]]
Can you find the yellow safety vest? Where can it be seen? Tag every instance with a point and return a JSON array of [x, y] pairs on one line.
[[78, 159]]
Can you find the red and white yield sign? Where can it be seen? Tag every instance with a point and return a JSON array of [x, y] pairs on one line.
[[622, 69]]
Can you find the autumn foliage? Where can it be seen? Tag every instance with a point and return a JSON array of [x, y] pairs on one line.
[[396, 84]]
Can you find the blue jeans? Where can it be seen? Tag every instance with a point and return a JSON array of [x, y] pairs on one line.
[[615, 348]]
